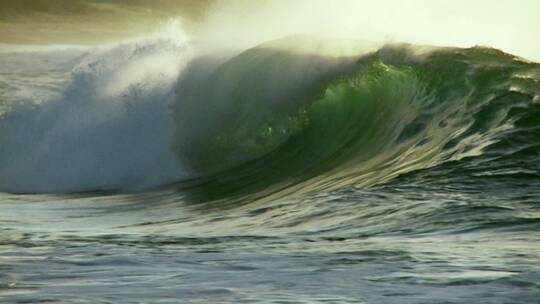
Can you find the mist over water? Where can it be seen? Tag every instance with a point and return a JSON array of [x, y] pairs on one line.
[[507, 25], [275, 152]]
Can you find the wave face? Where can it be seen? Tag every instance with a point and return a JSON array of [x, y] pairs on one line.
[[271, 116], [289, 172]]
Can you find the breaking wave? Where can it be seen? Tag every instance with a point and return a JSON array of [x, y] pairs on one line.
[[282, 115]]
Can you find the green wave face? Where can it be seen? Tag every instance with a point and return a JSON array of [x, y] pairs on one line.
[[364, 122]]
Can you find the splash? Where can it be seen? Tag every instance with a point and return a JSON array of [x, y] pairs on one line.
[[108, 129]]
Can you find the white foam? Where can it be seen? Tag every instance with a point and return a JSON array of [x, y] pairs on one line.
[[109, 129]]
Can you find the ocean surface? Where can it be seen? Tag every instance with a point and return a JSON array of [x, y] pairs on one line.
[[159, 170]]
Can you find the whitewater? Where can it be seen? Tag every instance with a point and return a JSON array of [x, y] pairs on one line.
[[163, 169]]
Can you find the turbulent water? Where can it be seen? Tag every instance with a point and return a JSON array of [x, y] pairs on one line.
[[157, 170]]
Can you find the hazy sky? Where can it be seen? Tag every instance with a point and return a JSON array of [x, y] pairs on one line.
[[89, 21], [513, 25]]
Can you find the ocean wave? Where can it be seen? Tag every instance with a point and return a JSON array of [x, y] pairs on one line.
[[283, 115], [363, 122]]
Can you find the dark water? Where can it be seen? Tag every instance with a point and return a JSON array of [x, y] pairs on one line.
[[401, 175]]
